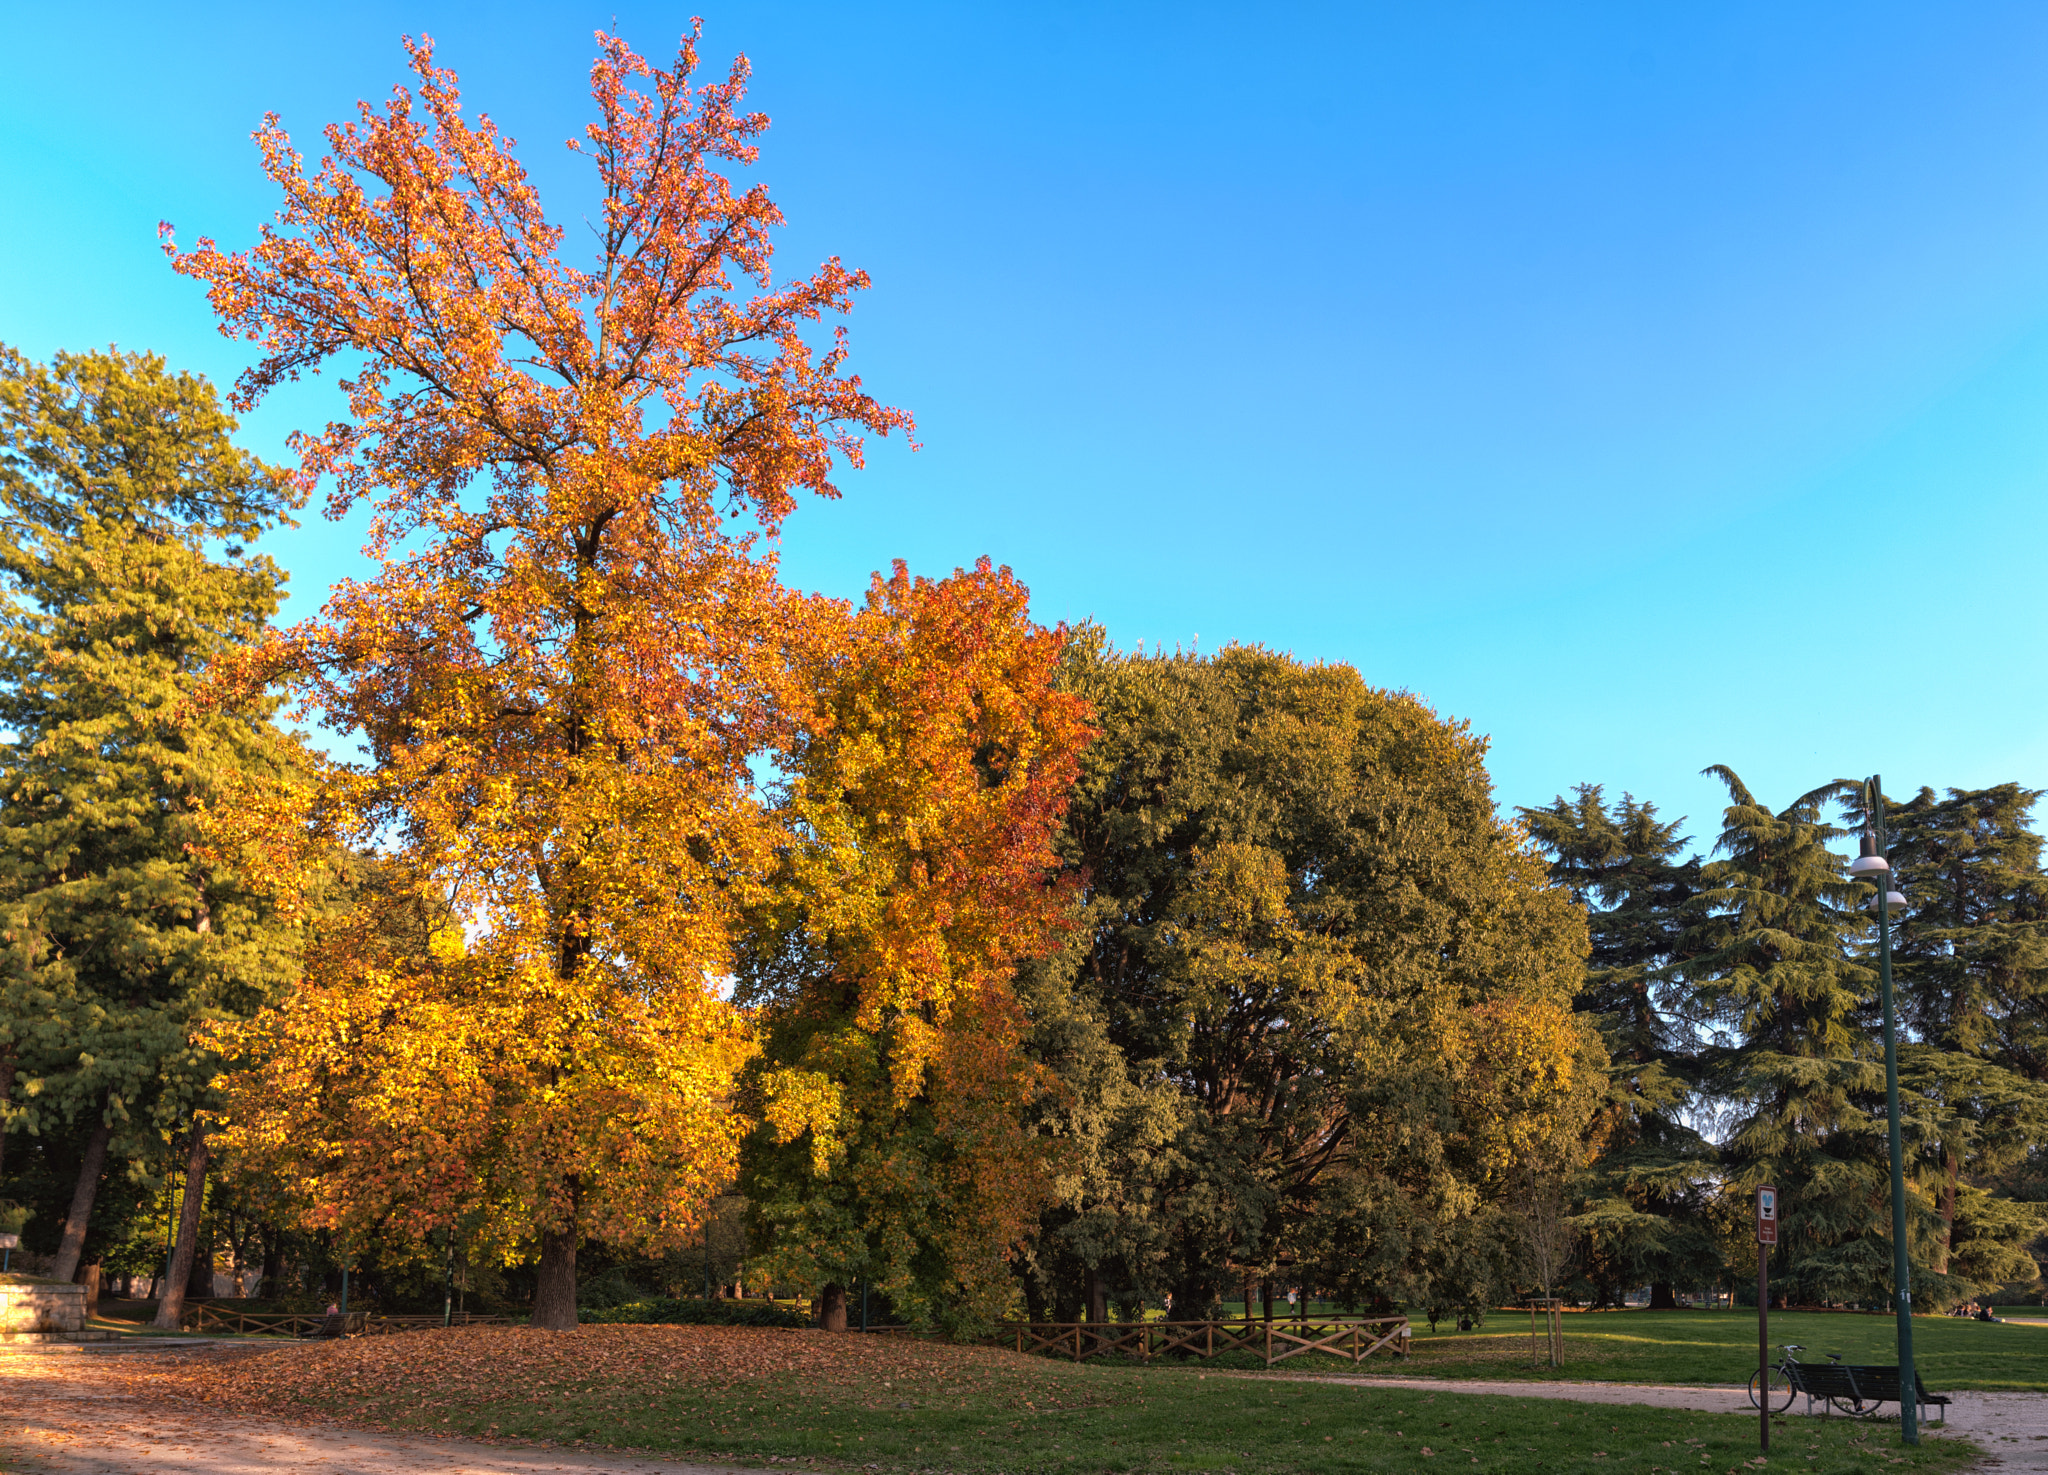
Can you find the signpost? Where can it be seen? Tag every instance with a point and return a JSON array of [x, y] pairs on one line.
[[1766, 1236], [9, 1243]]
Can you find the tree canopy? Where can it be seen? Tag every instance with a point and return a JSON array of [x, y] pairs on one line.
[[1336, 985], [570, 653], [126, 583]]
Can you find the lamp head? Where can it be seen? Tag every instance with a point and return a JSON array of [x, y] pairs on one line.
[[1869, 862], [1893, 900]]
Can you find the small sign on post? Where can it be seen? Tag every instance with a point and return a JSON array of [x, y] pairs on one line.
[[9, 1243], [1767, 1216]]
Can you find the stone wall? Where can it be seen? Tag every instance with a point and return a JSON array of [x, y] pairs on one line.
[[31, 1305]]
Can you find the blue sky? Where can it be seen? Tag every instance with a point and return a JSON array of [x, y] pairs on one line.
[[1651, 386]]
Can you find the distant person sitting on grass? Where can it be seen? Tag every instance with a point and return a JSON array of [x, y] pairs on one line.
[[1984, 1314]]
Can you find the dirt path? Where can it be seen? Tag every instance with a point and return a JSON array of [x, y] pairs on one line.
[[82, 1414], [2012, 1428]]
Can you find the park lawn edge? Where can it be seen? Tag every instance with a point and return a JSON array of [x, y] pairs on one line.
[[988, 1412]]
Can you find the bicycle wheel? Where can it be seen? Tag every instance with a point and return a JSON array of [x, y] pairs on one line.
[[1854, 1408], [1780, 1391]]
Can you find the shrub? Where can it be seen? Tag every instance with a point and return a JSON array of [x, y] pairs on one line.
[[694, 1312]]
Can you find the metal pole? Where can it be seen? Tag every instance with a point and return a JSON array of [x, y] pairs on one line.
[[344, 1290], [1763, 1347], [863, 1303], [448, 1282], [1902, 1262]]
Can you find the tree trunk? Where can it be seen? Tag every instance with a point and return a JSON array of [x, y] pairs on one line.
[[1034, 1297], [7, 1065], [199, 1284], [71, 1247], [554, 1294], [1266, 1296], [273, 1262], [1662, 1296], [832, 1308], [170, 1307], [89, 1277], [1098, 1298], [1948, 1213]]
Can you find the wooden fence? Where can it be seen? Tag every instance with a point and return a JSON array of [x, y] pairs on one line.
[[205, 1318], [1353, 1337]]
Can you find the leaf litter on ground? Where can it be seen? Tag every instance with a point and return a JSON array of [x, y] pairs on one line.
[[825, 1400]]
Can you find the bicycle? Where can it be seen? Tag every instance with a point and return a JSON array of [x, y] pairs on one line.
[[1781, 1381]]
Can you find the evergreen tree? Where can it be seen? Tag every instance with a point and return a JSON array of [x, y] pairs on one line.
[[1770, 958], [117, 481], [1970, 961], [1646, 1190], [1622, 865], [1971, 957]]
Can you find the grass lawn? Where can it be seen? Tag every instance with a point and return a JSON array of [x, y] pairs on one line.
[[874, 1403], [1720, 1347]]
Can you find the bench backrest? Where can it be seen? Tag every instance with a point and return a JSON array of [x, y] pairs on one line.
[[1878, 1383], [1822, 1380]]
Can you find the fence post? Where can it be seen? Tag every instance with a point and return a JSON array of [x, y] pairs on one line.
[[1077, 1341]]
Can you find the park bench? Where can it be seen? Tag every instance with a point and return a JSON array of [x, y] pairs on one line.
[[1856, 1388]]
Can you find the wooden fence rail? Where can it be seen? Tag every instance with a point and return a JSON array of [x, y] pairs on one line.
[[204, 1318], [1353, 1337]]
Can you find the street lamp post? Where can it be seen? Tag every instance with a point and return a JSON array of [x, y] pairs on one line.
[[1873, 867]]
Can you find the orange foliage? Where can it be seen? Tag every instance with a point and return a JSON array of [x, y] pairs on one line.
[[925, 789], [566, 659], [423, 1090]]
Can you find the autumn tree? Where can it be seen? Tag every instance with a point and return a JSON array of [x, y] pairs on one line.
[[568, 653], [127, 510], [922, 790], [1299, 912]]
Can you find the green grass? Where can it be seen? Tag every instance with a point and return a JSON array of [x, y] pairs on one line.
[[1720, 1347], [851, 1403], [1175, 1423]]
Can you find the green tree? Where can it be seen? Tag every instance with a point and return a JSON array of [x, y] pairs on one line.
[[1645, 1192], [1970, 960], [1971, 957], [127, 509], [1300, 913], [1771, 957]]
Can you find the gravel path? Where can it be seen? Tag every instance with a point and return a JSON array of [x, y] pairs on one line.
[[2012, 1428]]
